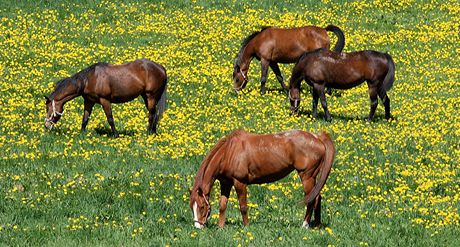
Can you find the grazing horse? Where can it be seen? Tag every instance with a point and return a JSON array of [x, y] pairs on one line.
[[322, 68], [243, 158], [274, 45], [105, 84]]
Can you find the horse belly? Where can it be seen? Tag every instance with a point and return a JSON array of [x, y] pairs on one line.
[[124, 92]]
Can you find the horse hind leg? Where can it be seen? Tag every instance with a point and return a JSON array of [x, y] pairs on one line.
[[150, 104], [386, 102], [308, 183], [317, 212], [374, 102]]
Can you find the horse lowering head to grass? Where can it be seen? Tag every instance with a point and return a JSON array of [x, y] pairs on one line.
[[273, 45], [243, 158], [105, 84], [323, 68]]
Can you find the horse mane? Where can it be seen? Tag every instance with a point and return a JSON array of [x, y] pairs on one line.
[[246, 42], [76, 79], [204, 165]]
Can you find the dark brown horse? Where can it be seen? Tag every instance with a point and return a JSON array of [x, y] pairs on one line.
[[243, 158], [105, 84], [274, 45], [323, 68]]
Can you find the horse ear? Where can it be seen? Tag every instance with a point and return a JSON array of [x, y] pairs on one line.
[[46, 97]]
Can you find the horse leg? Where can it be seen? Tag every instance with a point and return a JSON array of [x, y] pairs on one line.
[[386, 102], [87, 112], [107, 106], [225, 188], [315, 103], [374, 101], [279, 77], [317, 211], [151, 104], [241, 191], [308, 182], [319, 88], [263, 79]]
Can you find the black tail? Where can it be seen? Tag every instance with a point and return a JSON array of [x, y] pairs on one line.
[[161, 105], [390, 77], [341, 38]]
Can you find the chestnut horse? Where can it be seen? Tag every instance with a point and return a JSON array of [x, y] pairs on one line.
[[322, 68], [243, 158], [273, 45], [105, 84]]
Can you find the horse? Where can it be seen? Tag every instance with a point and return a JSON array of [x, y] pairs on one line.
[[322, 68], [273, 45], [105, 84], [244, 158]]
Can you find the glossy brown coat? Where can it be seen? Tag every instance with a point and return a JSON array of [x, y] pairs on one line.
[[274, 45], [243, 158], [323, 68], [105, 84]]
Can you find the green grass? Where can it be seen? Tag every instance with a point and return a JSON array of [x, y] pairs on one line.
[[393, 183]]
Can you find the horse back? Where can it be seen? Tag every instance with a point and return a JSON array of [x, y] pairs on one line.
[[343, 70], [287, 45], [125, 82]]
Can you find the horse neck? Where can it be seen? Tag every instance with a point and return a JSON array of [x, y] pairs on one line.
[[208, 178], [247, 56], [67, 95]]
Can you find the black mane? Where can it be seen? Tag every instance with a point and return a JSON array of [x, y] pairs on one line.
[[76, 79], [245, 43]]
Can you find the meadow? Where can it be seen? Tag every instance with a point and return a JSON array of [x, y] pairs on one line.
[[393, 182]]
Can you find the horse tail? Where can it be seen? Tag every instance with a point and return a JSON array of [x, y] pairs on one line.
[[161, 105], [326, 165], [390, 76], [341, 38]]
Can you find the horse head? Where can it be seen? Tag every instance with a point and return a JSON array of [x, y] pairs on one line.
[[55, 109], [201, 209], [240, 78], [294, 99]]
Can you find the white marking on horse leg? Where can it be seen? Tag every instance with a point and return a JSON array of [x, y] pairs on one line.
[[305, 224]]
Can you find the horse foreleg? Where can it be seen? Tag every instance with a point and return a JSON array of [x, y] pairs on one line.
[[263, 79], [241, 191], [86, 114], [107, 106], [374, 102], [315, 103], [386, 102], [225, 189], [279, 77], [319, 88]]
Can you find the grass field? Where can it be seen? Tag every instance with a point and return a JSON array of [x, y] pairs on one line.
[[393, 183]]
